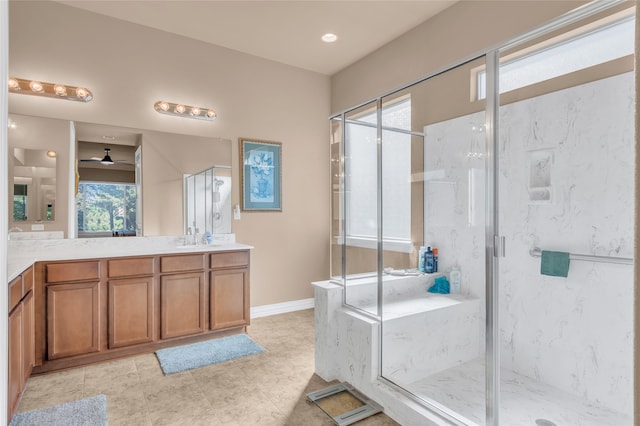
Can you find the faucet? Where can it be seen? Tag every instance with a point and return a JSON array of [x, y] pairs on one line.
[[11, 231]]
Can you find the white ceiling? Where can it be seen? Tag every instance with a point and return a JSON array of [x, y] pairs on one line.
[[282, 31]]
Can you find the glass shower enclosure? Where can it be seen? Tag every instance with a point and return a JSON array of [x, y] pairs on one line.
[[496, 164]]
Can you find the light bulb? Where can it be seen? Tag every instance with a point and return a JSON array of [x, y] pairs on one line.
[[60, 90], [211, 113], [51, 154], [13, 84], [35, 86], [180, 109], [195, 111], [164, 106], [81, 93], [329, 38]]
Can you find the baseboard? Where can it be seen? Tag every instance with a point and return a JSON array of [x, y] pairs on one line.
[[281, 308]]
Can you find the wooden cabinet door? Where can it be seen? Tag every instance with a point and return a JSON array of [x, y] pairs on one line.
[[130, 315], [28, 335], [182, 305], [229, 305], [73, 319], [16, 379]]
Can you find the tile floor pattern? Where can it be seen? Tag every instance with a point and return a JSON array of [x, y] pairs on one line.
[[263, 389]]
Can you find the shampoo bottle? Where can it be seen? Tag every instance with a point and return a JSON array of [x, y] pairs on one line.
[[454, 280], [429, 264]]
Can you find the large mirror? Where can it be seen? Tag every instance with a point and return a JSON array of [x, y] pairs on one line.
[[38, 160], [140, 191]]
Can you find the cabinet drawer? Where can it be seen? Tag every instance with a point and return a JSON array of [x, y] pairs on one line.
[[72, 271], [190, 262], [15, 292], [232, 259], [130, 267]]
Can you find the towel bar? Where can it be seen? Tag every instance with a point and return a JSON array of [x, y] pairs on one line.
[[536, 252]]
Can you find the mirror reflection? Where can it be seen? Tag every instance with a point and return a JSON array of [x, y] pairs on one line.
[[34, 184], [106, 198], [208, 202]]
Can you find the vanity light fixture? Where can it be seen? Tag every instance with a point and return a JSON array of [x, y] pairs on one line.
[[181, 110], [50, 90]]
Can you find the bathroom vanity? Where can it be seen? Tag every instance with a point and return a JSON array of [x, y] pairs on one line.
[[68, 309]]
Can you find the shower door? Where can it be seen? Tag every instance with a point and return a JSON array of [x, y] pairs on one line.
[[354, 226], [565, 211], [433, 160]]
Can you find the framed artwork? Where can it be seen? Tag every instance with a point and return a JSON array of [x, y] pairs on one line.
[[261, 175]]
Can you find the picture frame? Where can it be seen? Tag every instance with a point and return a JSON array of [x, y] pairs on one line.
[[260, 175]]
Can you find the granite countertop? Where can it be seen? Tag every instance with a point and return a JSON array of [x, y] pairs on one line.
[[23, 253]]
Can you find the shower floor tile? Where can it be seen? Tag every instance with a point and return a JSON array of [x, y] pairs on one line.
[[523, 400]]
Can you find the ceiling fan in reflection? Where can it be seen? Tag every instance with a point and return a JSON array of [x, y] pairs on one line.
[[106, 160]]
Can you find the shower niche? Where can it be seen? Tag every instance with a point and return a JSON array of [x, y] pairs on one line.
[[207, 201]]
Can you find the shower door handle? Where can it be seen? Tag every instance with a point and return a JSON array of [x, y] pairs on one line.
[[498, 246]]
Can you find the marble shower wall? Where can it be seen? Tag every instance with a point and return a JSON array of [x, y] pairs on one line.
[[454, 197], [454, 211], [566, 184]]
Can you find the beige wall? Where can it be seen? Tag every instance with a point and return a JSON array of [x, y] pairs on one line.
[[100, 175], [466, 28], [129, 67]]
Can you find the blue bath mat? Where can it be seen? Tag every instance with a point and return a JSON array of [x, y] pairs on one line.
[[188, 357], [83, 412]]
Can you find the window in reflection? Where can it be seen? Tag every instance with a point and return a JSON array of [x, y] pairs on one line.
[[19, 202], [107, 207]]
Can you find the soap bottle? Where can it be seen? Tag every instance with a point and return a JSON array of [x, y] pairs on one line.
[[454, 280], [421, 252], [428, 261], [435, 259]]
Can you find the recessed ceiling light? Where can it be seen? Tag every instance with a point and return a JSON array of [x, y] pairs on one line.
[[329, 38]]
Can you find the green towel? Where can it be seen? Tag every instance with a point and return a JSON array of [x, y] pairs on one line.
[[554, 263]]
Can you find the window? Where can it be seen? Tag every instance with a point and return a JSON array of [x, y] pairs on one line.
[[362, 183], [106, 207], [600, 42], [19, 202]]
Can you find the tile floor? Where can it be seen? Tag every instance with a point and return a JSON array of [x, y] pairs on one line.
[[264, 389]]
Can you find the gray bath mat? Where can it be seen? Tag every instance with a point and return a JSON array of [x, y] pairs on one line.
[[188, 357], [83, 412]]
